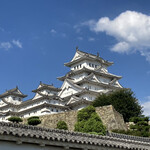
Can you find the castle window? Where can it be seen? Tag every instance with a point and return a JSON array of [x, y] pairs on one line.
[[80, 65], [93, 65], [90, 64], [74, 67], [89, 87], [51, 109], [19, 99], [90, 98], [14, 98]]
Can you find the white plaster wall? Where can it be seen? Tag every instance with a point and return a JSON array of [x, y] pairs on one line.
[[92, 87], [13, 99], [48, 92], [81, 106], [37, 104], [79, 65], [94, 64], [103, 79], [2, 103], [89, 97], [80, 76], [67, 90], [37, 96], [42, 111]]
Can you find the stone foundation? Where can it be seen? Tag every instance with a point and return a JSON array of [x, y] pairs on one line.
[[109, 116]]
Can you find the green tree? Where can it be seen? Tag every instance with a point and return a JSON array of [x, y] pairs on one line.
[[15, 119], [34, 120], [124, 101], [89, 122], [140, 126], [62, 125]]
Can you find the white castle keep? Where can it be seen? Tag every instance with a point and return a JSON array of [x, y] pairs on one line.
[[88, 77]]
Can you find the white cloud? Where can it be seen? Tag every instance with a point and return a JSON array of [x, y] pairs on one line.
[[80, 38], [5, 45], [64, 35], [146, 106], [148, 72], [91, 39], [131, 29], [121, 47], [2, 29], [77, 28], [53, 31], [17, 43]]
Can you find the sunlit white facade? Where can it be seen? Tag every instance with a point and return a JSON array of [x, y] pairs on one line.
[[88, 77]]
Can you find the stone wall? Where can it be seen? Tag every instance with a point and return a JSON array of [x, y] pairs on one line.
[[109, 116]]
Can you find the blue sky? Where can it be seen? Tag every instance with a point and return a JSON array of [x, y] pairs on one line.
[[37, 37]]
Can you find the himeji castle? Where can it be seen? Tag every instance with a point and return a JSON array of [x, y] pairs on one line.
[[88, 77]]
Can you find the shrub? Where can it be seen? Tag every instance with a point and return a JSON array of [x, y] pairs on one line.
[[85, 114], [89, 122], [62, 125], [15, 119], [33, 117], [34, 120]]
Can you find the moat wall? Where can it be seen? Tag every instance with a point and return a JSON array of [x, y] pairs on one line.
[[109, 116]]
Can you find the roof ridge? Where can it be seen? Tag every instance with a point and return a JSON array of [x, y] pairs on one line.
[[85, 137]]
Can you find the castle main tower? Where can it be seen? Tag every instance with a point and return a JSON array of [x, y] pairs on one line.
[[88, 77]]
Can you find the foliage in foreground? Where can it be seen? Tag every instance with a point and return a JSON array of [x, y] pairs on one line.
[[89, 122], [124, 101], [62, 125], [139, 128], [34, 120], [15, 119]]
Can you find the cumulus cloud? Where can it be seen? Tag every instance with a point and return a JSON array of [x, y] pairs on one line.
[[17, 43], [80, 38], [5, 45], [9, 45], [131, 29], [91, 39], [146, 106], [53, 31]]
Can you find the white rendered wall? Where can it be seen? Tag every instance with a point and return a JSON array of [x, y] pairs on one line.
[[88, 64], [104, 79], [89, 97], [2, 103], [80, 76], [13, 99], [79, 107], [67, 90], [92, 87]]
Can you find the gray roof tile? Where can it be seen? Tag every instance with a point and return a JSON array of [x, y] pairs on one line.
[[111, 140]]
